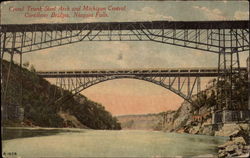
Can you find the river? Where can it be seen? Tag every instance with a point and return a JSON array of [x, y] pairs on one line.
[[66, 142]]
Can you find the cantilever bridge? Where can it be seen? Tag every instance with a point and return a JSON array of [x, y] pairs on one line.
[[211, 36], [184, 82], [226, 38]]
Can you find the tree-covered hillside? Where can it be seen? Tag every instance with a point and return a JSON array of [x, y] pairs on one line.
[[39, 109], [215, 96]]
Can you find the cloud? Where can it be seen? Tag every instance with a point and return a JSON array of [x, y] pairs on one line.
[[120, 56], [241, 15], [147, 13], [113, 56], [91, 19], [211, 14], [143, 14], [119, 46]]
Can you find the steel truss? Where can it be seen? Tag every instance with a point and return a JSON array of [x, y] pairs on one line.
[[182, 86], [227, 38], [206, 36], [184, 82]]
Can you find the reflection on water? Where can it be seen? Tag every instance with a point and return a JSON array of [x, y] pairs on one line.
[[13, 133], [101, 143]]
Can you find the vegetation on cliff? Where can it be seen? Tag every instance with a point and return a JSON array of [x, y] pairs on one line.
[[195, 118], [39, 109], [216, 95]]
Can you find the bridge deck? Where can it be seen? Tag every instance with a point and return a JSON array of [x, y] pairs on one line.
[[239, 24], [191, 72]]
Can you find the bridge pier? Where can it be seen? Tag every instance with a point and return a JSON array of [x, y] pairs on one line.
[[7, 108], [230, 116], [248, 71], [228, 64], [229, 108]]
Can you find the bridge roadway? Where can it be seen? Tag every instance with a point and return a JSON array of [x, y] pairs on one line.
[[242, 24], [170, 72]]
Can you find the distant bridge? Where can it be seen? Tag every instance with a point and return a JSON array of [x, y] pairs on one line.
[[185, 82]]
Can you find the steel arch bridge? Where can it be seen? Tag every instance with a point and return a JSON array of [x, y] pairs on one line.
[[226, 38], [184, 92], [183, 82]]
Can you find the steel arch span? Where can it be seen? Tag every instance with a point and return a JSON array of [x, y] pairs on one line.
[[184, 82], [184, 87]]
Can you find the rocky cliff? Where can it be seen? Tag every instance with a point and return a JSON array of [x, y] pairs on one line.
[[197, 119], [238, 144], [188, 119]]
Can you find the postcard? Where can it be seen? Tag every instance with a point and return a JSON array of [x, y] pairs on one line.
[[124, 78]]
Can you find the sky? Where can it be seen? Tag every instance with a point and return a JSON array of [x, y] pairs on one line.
[[126, 96]]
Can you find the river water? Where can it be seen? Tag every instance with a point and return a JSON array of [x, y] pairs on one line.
[[48, 142]]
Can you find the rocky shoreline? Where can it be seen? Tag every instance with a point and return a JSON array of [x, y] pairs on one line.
[[238, 144], [235, 147], [192, 121]]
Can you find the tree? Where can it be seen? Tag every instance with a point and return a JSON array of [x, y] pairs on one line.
[[26, 64], [32, 68]]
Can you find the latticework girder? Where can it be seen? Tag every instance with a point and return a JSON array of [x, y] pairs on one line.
[[201, 35], [185, 87], [227, 38], [184, 82]]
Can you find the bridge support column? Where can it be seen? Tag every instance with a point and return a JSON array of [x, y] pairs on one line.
[[228, 64], [213, 116], [2, 50], [6, 84], [7, 101], [248, 71], [21, 82]]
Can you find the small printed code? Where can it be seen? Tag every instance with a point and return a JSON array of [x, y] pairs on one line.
[[9, 154]]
